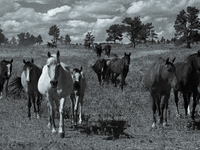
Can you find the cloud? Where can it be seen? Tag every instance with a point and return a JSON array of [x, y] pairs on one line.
[[161, 19], [8, 6], [63, 9]]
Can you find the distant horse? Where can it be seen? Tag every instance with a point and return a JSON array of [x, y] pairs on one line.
[[28, 81], [56, 84], [119, 67], [100, 68], [188, 76], [49, 45], [98, 49], [5, 74], [78, 93], [107, 49], [159, 79]]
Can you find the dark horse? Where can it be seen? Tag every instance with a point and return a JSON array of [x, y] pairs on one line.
[[119, 67], [100, 68], [188, 76], [49, 45], [28, 81], [159, 79], [5, 74], [98, 49], [107, 49]]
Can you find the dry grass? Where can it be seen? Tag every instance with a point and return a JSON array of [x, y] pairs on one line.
[[132, 105]]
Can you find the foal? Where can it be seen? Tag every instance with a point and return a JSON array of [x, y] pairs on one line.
[[78, 93]]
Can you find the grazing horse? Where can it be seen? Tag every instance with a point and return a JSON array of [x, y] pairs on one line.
[[159, 79], [5, 74], [100, 68], [119, 67], [28, 81], [107, 49], [56, 84], [188, 76], [98, 49], [78, 93]]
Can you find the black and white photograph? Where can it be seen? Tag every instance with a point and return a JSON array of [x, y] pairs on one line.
[[99, 74]]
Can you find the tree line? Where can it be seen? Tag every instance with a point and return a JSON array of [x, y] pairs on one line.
[[187, 26]]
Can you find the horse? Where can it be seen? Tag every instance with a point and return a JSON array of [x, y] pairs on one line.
[[98, 49], [188, 76], [119, 67], [28, 81], [56, 84], [100, 68], [78, 93], [158, 80], [5, 74], [107, 49], [49, 45]]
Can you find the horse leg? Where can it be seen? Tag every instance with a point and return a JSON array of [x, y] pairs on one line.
[[80, 106], [157, 103], [7, 87], [29, 106], [76, 108], [52, 115], [61, 124], [185, 97], [99, 78], [72, 106], [176, 101], [164, 106], [153, 109], [38, 102], [188, 98], [122, 81], [194, 104]]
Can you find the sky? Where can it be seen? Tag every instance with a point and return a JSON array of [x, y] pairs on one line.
[[78, 17]]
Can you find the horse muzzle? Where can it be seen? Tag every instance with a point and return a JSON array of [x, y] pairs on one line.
[[54, 83]]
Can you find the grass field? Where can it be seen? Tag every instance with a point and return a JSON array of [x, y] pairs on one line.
[[133, 105]]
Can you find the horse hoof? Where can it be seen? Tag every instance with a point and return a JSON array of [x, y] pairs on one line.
[[165, 124], [62, 135]]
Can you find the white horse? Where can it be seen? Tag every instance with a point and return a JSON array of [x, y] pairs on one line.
[[56, 84], [78, 93]]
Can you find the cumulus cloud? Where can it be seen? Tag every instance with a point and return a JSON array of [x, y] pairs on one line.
[[63, 9], [77, 17]]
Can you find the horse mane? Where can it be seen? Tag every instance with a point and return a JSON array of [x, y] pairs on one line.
[[191, 58]]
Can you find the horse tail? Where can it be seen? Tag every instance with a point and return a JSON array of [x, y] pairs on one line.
[[16, 86]]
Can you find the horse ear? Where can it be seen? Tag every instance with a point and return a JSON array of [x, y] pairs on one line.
[[24, 61], [174, 59], [129, 54], [167, 61], [125, 54], [32, 60], [49, 54], [58, 53], [11, 61], [81, 68]]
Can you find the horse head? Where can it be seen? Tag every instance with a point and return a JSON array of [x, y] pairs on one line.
[[127, 59], [27, 69], [77, 76], [6, 67], [168, 73], [53, 65]]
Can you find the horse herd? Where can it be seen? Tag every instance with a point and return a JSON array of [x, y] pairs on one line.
[[56, 81]]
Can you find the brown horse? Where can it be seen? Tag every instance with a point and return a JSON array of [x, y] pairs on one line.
[[159, 79], [78, 93], [100, 68], [107, 49], [28, 81], [119, 67], [5, 74], [188, 76]]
